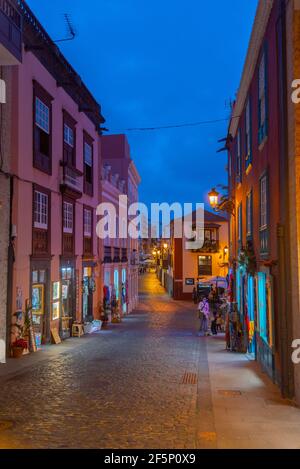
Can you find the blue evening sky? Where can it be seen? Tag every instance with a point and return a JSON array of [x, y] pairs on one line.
[[160, 62]]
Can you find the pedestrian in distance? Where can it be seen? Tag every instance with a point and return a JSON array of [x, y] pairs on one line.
[[203, 309], [214, 323], [195, 296]]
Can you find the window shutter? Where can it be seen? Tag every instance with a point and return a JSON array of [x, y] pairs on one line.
[[248, 132], [266, 91]]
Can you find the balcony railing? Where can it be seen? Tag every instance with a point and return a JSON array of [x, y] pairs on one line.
[[88, 246], [209, 246], [124, 258], [107, 259], [72, 181], [10, 34], [264, 241], [40, 242], [68, 244]]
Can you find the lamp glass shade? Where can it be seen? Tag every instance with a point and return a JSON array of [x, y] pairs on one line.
[[213, 198]]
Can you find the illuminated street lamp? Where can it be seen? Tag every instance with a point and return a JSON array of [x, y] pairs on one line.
[[165, 246], [213, 198], [226, 204]]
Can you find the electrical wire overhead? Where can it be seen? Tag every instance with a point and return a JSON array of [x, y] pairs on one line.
[[175, 126]]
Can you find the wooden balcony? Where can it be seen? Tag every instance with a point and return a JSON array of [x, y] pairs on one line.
[[124, 257], [10, 33], [107, 259], [68, 245], [264, 241], [72, 182], [40, 243], [117, 258], [209, 247], [88, 247]]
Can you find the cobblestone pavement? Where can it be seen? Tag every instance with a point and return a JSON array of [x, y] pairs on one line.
[[141, 384]]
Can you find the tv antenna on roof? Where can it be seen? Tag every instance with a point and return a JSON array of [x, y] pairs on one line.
[[71, 34]]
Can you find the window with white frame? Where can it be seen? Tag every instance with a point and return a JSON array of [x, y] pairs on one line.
[[88, 163], [263, 203], [42, 115], [88, 154], [87, 223], [68, 217], [262, 98], [68, 135], [40, 210]]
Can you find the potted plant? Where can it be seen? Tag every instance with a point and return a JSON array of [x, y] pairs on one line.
[[18, 347]]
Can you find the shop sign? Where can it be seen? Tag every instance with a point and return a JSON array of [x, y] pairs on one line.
[[190, 281]]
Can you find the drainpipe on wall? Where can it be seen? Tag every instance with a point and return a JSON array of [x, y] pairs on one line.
[[283, 229], [10, 266]]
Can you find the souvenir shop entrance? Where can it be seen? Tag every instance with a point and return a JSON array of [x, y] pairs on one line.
[[40, 300], [68, 297], [246, 302], [88, 289]]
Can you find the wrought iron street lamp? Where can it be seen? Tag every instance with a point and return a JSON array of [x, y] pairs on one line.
[[213, 198], [226, 204]]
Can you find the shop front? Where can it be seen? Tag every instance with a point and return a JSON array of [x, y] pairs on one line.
[[241, 298], [246, 302], [265, 323], [40, 301], [68, 297], [115, 297], [251, 314], [124, 292], [88, 290]]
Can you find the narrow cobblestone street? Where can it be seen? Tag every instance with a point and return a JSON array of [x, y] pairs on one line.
[[150, 382], [120, 389]]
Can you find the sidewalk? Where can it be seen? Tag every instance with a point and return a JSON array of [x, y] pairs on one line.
[[248, 410]]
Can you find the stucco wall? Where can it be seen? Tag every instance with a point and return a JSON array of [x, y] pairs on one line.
[[22, 165], [293, 72], [5, 117]]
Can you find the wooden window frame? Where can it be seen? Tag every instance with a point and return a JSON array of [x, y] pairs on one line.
[[239, 156], [40, 161], [88, 187], [205, 265], [64, 234], [263, 126], [248, 132], [91, 238], [46, 254], [67, 149]]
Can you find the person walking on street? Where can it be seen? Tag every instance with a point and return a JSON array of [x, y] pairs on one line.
[[195, 296], [214, 323], [203, 309]]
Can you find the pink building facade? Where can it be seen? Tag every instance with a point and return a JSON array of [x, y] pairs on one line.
[[56, 167], [120, 255]]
